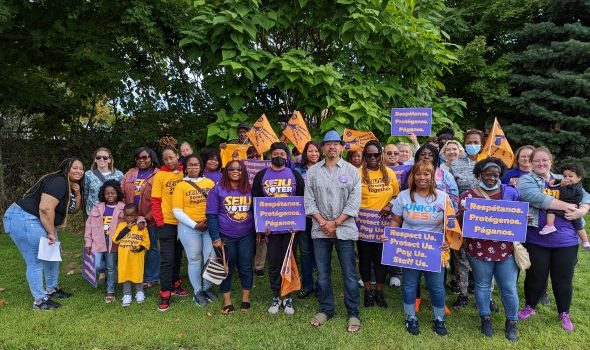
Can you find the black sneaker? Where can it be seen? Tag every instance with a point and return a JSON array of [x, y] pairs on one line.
[[53, 303], [380, 299], [544, 299], [369, 299], [439, 327], [511, 330], [259, 273], [494, 307], [412, 326], [460, 302], [305, 293], [486, 326], [59, 293], [44, 306]]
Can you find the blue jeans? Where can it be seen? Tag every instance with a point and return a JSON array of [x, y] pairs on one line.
[[322, 248], [505, 272], [152, 258], [436, 287], [307, 261], [239, 253], [198, 247], [26, 230], [108, 261]]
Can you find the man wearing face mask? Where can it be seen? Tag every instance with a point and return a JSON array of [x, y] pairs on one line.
[[277, 181]]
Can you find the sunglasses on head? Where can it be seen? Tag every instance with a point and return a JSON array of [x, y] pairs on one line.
[[372, 155], [102, 157]]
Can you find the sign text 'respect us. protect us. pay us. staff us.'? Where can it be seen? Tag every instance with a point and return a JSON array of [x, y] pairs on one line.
[[413, 249]]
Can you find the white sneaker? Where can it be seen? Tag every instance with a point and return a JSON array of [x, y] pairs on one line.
[[395, 282], [275, 306], [361, 284], [127, 300], [547, 230], [140, 297], [288, 306]]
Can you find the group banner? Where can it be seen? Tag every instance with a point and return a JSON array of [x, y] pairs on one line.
[[279, 214], [262, 135], [89, 267], [370, 225], [296, 131], [253, 166], [233, 152], [411, 120], [412, 249], [495, 220]]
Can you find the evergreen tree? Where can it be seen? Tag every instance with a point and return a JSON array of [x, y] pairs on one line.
[[550, 82]]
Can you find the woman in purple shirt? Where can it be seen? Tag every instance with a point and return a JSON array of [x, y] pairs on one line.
[[212, 161], [231, 224], [555, 254]]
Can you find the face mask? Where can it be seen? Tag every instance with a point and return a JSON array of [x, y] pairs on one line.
[[278, 161], [472, 149], [485, 187]]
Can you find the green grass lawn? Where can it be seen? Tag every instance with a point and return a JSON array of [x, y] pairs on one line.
[[86, 322]]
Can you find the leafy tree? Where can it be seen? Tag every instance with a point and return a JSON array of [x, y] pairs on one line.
[[550, 81], [342, 63]]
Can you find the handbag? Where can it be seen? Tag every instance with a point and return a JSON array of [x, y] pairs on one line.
[[216, 269], [521, 256]]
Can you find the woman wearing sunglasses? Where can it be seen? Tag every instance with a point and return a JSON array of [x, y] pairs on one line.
[[137, 188], [379, 187], [231, 225], [101, 170]]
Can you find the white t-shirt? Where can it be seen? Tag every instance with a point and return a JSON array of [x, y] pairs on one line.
[[426, 214]]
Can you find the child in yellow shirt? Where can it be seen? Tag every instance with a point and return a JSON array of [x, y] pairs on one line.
[[133, 242]]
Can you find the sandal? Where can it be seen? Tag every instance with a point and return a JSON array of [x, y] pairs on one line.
[[228, 309], [319, 319], [109, 298], [245, 306], [354, 324]]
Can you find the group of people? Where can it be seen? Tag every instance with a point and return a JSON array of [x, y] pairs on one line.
[[139, 223]]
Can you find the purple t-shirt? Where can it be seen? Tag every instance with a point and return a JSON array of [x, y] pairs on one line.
[[139, 182], [565, 236], [214, 176], [511, 176], [280, 183], [234, 211]]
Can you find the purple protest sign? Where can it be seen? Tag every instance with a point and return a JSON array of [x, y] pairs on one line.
[[495, 220], [412, 249], [401, 173], [411, 120], [370, 225], [253, 166], [279, 214], [89, 267]]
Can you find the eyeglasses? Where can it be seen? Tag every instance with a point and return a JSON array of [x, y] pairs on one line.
[[391, 153], [539, 161], [102, 157], [142, 157], [234, 169], [372, 155]]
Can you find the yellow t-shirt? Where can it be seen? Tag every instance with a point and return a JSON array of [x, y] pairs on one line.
[[163, 188], [131, 263], [377, 194], [191, 200]]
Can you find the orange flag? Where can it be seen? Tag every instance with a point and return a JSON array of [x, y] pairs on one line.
[[296, 131], [262, 135], [233, 152], [355, 140], [290, 281], [497, 145], [453, 233]]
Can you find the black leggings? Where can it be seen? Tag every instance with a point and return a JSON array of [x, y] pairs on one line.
[[276, 248], [370, 252], [170, 256], [559, 263]]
